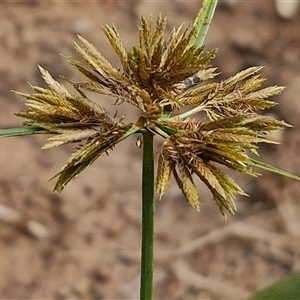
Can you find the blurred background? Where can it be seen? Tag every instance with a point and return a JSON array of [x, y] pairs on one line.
[[85, 244]]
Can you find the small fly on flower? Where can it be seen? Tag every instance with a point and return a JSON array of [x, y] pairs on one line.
[[193, 80], [189, 82]]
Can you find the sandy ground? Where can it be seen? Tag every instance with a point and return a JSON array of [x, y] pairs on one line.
[[89, 244]]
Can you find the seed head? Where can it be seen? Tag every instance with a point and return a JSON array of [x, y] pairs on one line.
[[159, 77]]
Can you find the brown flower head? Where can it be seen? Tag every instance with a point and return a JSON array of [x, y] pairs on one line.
[[158, 77]]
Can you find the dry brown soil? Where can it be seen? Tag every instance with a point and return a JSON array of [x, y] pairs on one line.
[[91, 239]]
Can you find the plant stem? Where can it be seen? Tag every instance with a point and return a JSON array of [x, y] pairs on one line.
[[147, 218]]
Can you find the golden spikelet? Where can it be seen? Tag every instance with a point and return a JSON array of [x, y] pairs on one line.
[[203, 171], [188, 187], [163, 175]]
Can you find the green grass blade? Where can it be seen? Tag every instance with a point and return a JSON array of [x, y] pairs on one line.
[[20, 131], [287, 288], [273, 169], [203, 21]]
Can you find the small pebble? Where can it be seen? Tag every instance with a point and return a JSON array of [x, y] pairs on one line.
[[287, 9], [289, 102], [81, 25], [37, 230]]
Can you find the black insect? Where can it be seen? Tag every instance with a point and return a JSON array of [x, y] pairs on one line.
[[188, 82]]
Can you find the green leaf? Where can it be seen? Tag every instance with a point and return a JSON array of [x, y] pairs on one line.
[[287, 288], [202, 21], [273, 169], [20, 131]]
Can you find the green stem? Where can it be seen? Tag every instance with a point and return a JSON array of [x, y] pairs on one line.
[[147, 218], [192, 111]]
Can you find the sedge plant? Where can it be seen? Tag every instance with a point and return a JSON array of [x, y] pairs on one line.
[[205, 123]]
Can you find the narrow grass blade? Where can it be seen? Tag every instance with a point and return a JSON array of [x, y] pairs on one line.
[[287, 288], [202, 21], [20, 131], [273, 169]]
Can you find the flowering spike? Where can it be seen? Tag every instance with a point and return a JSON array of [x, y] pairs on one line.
[[188, 187], [159, 77], [164, 170]]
